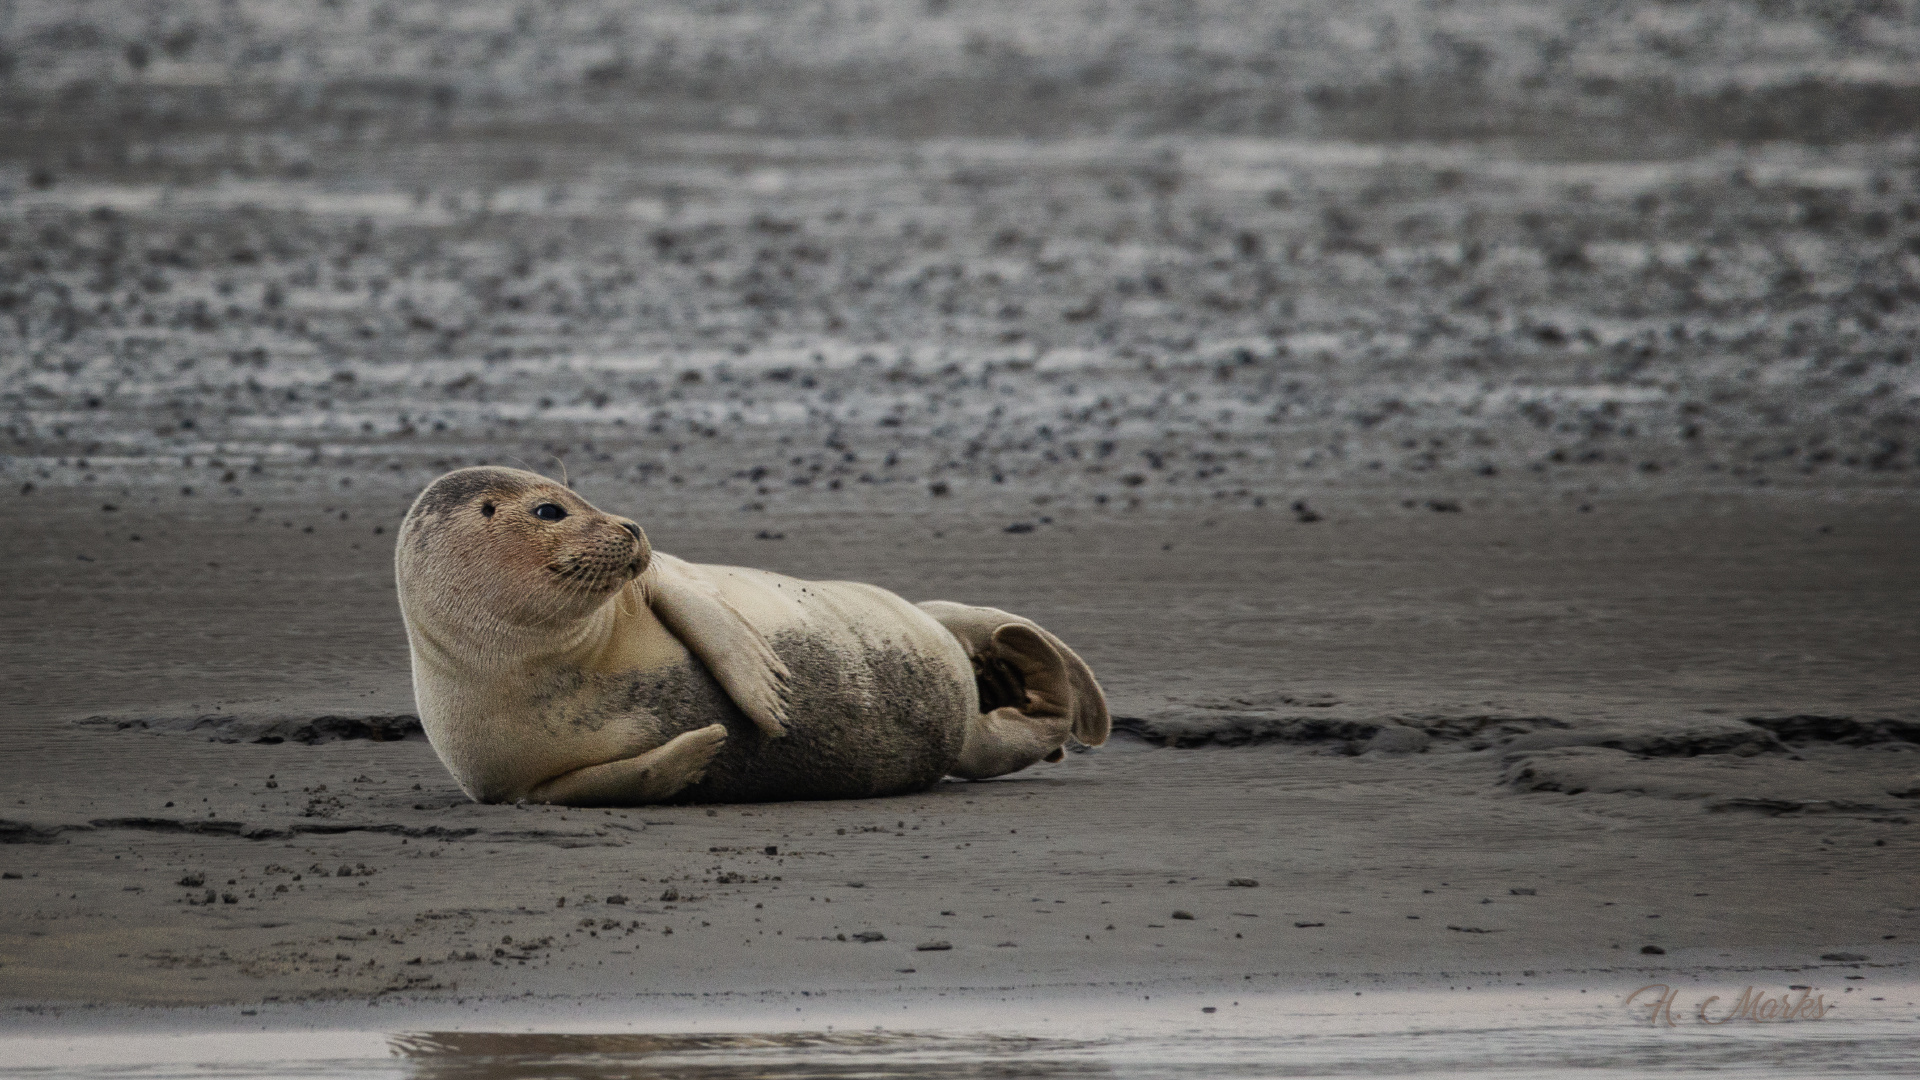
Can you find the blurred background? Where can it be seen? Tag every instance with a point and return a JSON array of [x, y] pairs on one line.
[[865, 255]]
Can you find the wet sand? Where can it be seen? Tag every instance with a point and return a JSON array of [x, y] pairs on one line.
[[1507, 743]]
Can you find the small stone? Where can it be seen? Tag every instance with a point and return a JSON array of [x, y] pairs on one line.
[[869, 936], [1653, 950], [670, 896], [616, 898], [933, 946], [1843, 957], [1188, 915], [1243, 883], [1394, 739], [1523, 892], [193, 881]]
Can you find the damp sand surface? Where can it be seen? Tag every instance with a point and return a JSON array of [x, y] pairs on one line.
[[1518, 745]]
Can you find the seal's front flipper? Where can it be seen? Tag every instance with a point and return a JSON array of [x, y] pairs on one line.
[[738, 656], [655, 776]]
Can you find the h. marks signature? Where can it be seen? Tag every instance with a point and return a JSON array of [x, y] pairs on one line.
[[1756, 1006]]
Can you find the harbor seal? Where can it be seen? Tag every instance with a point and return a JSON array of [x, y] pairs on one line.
[[558, 658]]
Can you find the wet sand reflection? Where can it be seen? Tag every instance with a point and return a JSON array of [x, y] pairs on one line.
[[514, 1056]]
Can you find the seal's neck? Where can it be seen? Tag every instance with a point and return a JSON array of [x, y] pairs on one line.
[[623, 634], [591, 643], [620, 632]]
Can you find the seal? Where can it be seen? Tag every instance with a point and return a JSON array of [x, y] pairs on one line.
[[558, 658]]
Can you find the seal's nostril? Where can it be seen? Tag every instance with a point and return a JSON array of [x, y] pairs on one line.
[[631, 528]]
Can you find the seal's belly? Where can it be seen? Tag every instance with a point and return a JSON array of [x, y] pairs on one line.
[[880, 720]]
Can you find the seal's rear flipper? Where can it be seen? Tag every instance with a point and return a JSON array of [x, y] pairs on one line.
[[1092, 723], [1034, 692], [737, 654]]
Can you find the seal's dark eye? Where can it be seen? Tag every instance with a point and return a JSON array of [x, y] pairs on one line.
[[486, 509], [549, 512]]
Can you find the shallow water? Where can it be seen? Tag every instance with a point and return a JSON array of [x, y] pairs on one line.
[[1860, 1050], [1421, 1033]]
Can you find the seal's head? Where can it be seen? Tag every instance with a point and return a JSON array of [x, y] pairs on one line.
[[498, 548]]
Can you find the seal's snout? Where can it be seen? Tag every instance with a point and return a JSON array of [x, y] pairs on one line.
[[603, 552], [642, 553]]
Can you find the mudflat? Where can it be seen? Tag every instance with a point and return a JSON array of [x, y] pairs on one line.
[[1601, 738], [1474, 444]]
